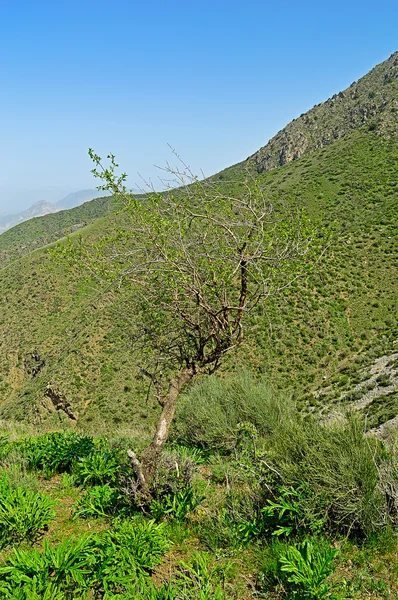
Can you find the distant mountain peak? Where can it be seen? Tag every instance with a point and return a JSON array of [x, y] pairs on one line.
[[41, 208], [36, 210]]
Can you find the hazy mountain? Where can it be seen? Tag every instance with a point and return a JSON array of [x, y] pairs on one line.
[[36, 210], [40, 231], [44, 208], [78, 198]]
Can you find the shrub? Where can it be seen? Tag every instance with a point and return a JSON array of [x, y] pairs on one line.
[[288, 513], [174, 494], [144, 541], [306, 569], [98, 468], [309, 477], [208, 415], [341, 467], [101, 501], [176, 505], [23, 513], [31, 591], [202, 578], [56, 452], [112, 562], [68, 567]]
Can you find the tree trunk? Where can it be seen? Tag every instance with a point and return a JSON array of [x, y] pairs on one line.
[[151, 456]]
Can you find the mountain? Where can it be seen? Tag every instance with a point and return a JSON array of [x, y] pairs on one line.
[[334, 334], [78, 198], [36, 210], [39, 209], [372, 101], [44, 208]]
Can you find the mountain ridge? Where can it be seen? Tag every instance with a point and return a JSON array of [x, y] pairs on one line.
[[44, 207], [372, 100], [41, 231], [38, 209], [77, 198]]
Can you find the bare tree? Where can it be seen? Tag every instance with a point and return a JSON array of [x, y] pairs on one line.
[[197, 259]]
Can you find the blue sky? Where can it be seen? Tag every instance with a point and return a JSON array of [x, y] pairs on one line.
[[214, 79]]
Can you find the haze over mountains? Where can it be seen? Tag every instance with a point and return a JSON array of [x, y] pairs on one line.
[[333, 338], [38, 209]]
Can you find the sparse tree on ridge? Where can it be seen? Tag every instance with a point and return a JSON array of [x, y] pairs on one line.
[[196, 259]]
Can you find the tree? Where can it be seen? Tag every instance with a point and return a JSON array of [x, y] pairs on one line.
[[196, 259]]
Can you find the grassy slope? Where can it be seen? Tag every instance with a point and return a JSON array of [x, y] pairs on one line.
[[47, 316], [348, 308], [324, 329], [38, 232]]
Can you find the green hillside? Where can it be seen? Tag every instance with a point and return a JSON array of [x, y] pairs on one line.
[[56, 339], [325, 330], [252, 495], [38, 232], [330, 338]]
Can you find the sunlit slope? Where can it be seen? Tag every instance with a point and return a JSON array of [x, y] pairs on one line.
[[329, 329], [61, 349], [67, 353]]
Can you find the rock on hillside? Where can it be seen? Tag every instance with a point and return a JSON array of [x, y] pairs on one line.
[[373, 100]]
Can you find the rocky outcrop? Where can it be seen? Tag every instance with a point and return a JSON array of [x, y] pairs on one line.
[[57, 402], [371, 101]]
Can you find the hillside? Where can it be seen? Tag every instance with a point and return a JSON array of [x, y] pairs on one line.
[[43, 208], [330, 339], [371, 101], [324, 330]]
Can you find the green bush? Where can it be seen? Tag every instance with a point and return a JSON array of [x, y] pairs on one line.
[[307, 477], [210, 413], [31, 591], [287, 513], [55, 452], [174, 493], [69, 567], [203, 578], [101, 501], [118, 561], [176, 505], [340, 466], [98, 468], [306, 568], [144, 541], [23, 513]]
